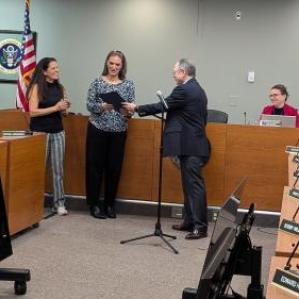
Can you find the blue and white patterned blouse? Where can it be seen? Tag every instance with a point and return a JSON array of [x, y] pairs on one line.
[[109, 121]]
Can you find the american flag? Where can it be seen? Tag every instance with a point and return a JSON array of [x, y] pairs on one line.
[[27, 64]]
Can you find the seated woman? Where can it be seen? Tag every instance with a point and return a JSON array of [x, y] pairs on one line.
[[278, 96]]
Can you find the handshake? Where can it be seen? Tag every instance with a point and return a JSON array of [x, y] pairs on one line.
[[129, 107]]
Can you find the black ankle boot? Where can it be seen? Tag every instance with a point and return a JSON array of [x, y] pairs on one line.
[[96, 212], [111, 212]]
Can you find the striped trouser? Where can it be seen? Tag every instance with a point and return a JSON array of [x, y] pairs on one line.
[[54, 159]]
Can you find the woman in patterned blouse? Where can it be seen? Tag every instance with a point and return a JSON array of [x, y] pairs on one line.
[[106, 134]]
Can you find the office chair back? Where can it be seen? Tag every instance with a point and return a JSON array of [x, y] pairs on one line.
[[217, 116]]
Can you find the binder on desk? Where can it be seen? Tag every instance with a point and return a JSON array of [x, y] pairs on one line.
[[112, 98], [292, 149], [16, 133]]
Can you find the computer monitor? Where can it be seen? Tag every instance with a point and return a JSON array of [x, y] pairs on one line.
[[222, 239], [5, 242], [278, 121]]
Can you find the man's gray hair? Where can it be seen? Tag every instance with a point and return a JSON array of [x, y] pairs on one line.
[[187, 66]]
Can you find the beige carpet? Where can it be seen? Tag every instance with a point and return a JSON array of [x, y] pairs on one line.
[[78, 257]]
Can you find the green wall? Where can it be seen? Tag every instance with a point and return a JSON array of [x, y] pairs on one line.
[[155, 33]]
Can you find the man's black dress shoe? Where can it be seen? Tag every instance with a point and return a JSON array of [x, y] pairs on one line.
[[96, 212], [182, 227], [111, 212], [196, 234]]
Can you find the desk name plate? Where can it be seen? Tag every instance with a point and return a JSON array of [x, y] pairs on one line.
[[289, 227], [294, 193], [287, 280], [292, 149]]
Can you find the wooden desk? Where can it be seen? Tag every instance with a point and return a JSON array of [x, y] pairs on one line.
[[274, 292], [259, 153], [237, 151], [24, 182], [140, 160], [12, 119], [286, 241]]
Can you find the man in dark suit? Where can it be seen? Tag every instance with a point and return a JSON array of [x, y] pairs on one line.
[[185, 137]]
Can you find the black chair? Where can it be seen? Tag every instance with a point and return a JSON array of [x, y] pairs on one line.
[[216, 116]]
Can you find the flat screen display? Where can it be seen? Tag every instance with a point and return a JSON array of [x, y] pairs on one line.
[[224, 232]]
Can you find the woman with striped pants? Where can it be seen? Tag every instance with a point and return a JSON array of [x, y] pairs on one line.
[[47, 102]]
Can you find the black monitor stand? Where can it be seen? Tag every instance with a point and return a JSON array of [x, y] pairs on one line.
[[242, 259], [19, 276]]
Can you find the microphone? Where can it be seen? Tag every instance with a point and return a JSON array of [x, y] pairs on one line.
[[245, 118], [162, 99]]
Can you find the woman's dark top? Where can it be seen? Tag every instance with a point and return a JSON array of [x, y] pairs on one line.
[[278, 111], [50, 123]]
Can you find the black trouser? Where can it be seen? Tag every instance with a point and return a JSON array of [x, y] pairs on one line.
[[104, 157], [195, 203]]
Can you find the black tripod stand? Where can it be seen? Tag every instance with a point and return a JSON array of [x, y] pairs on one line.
[[158, 230]]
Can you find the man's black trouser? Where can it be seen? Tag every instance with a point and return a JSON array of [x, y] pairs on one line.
[[195, 202], [104, 157]]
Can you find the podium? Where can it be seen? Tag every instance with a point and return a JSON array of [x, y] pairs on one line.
[[19, 276], [22, 170], [274, 291], [283, 282]]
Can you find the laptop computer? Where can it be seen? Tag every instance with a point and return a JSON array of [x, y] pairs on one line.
[[278, 121]]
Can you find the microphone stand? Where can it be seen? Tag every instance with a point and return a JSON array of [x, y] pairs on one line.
[[245, 118], [288, 263], [158, 230], [297, 210]]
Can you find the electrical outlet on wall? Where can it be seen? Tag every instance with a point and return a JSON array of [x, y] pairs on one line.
[[251, 76]]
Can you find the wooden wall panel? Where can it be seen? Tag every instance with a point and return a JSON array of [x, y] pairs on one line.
[[259, 154], [137, 172], [237, 151], [215, 168], [213, 171], [75, 133], [138, 158], [171, 177]]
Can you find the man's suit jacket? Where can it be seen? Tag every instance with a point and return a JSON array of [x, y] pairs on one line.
[[184, 132], [287, 110]]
